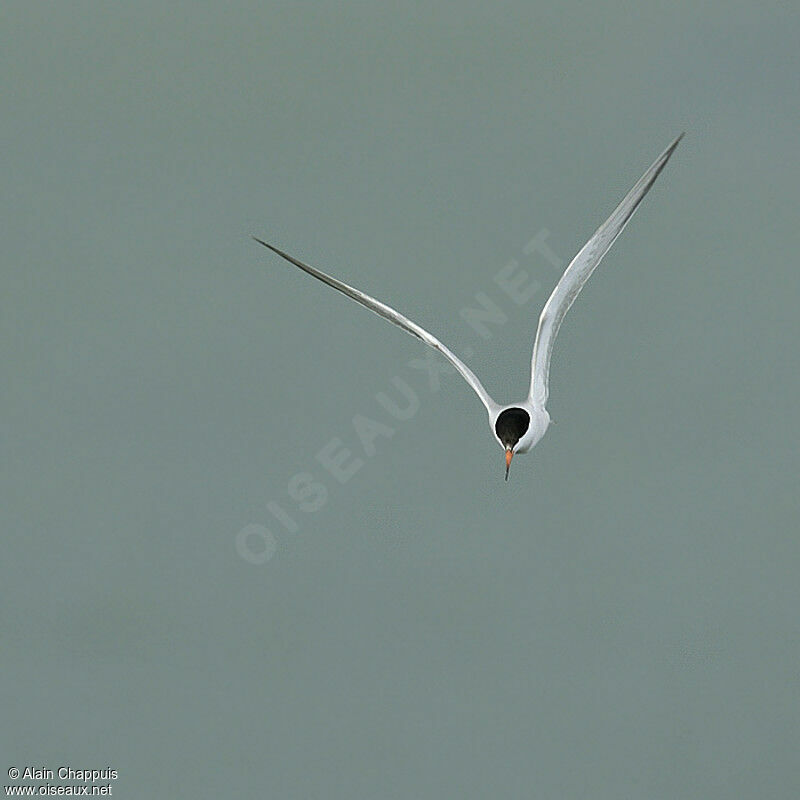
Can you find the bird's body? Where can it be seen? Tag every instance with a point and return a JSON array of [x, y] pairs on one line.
[[518, 427]]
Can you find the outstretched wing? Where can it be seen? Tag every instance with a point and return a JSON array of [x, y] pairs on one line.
[[382, 310], [578, 272]]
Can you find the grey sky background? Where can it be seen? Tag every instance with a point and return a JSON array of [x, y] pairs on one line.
[[619, 620]]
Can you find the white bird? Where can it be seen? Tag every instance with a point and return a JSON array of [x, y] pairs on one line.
[[517, 427]]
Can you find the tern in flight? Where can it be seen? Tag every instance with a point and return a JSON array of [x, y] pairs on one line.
[[517, 427]]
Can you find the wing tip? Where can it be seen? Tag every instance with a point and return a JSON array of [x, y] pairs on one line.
[[261, 241], [277, 251], [675, 142]]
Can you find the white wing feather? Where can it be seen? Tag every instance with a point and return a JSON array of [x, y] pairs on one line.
[[382, 310], [578, 272]]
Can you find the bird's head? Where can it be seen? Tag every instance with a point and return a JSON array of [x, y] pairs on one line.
[[510, 427]]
